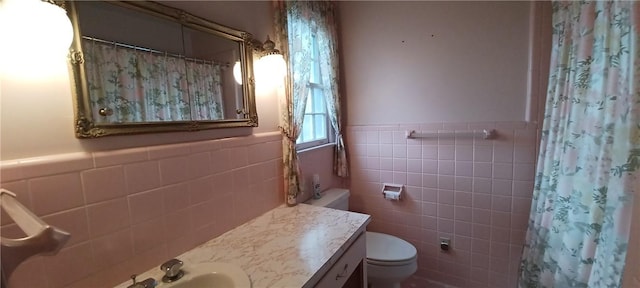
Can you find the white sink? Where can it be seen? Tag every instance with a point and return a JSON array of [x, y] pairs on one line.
[[204, 275]]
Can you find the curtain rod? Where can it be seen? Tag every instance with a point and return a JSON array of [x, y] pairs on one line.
[[227, 64]]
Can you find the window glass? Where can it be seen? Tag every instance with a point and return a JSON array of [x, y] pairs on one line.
[[316, 127]]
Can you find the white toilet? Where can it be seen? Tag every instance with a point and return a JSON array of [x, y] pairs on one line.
[[389, 259]]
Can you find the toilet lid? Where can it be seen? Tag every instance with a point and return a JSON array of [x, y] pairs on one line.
[[384, 247]]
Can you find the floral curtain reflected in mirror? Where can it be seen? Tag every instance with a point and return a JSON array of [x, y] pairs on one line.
[[133, 85]]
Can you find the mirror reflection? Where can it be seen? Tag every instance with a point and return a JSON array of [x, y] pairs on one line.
[[143, 63]]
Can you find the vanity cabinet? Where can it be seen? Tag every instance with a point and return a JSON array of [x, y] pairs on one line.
[[302, 246], [350, 269]]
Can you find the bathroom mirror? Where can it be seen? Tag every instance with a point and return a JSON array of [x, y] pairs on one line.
[[144, 67]]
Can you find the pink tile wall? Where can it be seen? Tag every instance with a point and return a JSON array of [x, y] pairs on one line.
[[476, 192], [130, 210], [318, 161]]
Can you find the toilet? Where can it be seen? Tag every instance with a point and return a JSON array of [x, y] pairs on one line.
[[390, 259]]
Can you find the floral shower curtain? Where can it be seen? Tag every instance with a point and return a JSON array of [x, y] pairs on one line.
[[205, 90], [141, 86], [589, 164], [296, 23]]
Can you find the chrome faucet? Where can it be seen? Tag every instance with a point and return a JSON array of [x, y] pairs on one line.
[[147, 283], [172, 270]]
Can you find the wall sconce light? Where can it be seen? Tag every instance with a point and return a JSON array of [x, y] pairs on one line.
[[237, 73], [32, 32], [271, 67]]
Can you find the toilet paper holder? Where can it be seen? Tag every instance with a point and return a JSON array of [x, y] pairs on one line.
[[392, 191]]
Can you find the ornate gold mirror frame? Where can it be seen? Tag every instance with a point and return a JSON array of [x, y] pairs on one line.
[[85, 124]]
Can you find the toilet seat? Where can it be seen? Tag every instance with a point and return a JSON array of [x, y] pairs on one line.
[[388, 250], [391, 263]]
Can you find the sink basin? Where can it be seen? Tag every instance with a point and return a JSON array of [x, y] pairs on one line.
[[218, 275]]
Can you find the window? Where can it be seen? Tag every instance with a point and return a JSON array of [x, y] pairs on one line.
[[316, 128]]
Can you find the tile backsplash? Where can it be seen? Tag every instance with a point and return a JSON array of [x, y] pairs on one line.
[[130, 210], [476, 192]]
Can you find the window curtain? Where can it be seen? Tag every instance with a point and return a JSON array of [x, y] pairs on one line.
[[329, 70], [298, 57], [205, 90], [589, 164], [295, 23]]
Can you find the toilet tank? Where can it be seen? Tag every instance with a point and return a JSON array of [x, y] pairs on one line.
[[336, 198]]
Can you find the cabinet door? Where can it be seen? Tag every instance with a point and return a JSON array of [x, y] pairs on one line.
[[343, 269]]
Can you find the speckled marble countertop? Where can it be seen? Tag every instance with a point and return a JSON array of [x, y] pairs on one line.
[[285, 247]]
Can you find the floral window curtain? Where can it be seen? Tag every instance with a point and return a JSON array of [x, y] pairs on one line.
[[296, 23], [329, 70], [298, 56], [205, 89], [137, 86], [589, 164]]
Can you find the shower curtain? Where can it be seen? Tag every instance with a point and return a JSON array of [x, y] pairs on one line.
[[589, 164], [140, 86]]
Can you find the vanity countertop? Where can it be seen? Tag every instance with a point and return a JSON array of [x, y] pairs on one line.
[[285, 247]]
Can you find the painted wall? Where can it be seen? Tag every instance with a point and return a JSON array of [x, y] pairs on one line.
[[443, 61], [36, 114], [445, 66], [632, 269]]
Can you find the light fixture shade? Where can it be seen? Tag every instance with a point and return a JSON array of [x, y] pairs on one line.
[[33, 33], [237, 73], [58, 28], [272, 68]]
